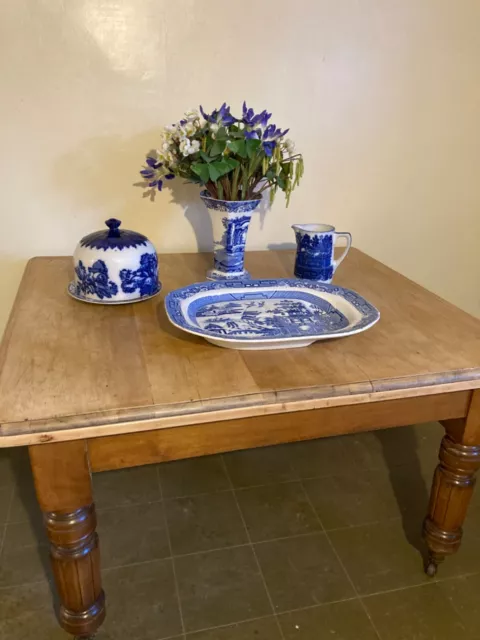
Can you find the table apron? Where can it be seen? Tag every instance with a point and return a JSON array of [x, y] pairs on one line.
[[164, 444]]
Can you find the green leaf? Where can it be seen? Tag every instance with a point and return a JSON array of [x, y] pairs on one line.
[[222, 134], [233, 145], [221, 167], [281, 182], [215, 171], [231, 163], [239, 147], [252, 146], [201, 170], [218, 147], [206, 157]]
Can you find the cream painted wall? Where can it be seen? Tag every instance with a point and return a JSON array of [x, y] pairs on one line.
[[382, 97]]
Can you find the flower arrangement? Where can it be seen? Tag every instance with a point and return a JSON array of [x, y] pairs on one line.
[[233, 158]]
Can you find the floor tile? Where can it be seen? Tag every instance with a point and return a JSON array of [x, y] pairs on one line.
[[319, 458], [475, 501], [14, 465], [387, 448], [7, 477], [203, 522], [467, 559], [24, 556], [5, 499], [132, 534], [138, 485], [411, 485], [277, 511], [464, 595], [352, 499], [380, 556], [364, 477], [418, 613], [142, 602], [428, 434], [24, 502], [27, 613], [300, 572], [220, 587], [264, 465], [262, 629], [189, 477], [472, 521], [24, 506], [340, 621]]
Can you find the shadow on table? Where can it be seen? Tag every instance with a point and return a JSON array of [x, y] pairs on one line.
[[409, 482], [166, 326]]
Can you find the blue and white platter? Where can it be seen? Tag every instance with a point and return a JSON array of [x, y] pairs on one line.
[[269, 314]]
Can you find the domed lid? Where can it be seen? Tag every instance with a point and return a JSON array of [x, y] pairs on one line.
[[113, 237]]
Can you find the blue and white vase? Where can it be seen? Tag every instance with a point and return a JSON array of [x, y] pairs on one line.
[[114, 266], [230, 220]]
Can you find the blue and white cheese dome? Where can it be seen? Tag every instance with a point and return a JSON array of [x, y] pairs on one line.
[[115, 265]]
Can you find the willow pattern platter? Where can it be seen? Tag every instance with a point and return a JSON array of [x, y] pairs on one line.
[[269, 314]]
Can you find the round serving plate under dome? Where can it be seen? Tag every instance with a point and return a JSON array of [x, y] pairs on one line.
[[114, 266]]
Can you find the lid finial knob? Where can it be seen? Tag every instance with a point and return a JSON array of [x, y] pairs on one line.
[[113, 224]]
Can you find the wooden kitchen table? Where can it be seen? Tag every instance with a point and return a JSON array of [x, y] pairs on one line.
[[89, 388]]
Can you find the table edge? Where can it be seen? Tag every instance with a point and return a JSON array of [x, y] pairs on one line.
[[148, 418]]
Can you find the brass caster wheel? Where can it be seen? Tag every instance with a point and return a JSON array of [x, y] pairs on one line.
[[431, 569]]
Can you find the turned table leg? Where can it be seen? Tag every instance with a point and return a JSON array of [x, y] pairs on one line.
[[453, 485], [64, 491]]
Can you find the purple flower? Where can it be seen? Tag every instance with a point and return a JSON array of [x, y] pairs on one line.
[[156, 183], [272, 133], [269, 138], [268, 147], [253, 135], [147, 173], [250, 119], [169, 176], [221, 116], [153, 163]]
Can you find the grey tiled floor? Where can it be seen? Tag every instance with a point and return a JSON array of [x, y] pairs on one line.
[[297, 542]]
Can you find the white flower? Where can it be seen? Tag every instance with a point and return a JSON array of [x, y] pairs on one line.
[[185, 146], [165, 146], [289, 145], [190, 128], [195, 146], [214, 127], [171, 128], [188, 147], [192, 114]]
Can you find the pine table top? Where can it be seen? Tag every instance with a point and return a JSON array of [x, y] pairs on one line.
[[70, 369]]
